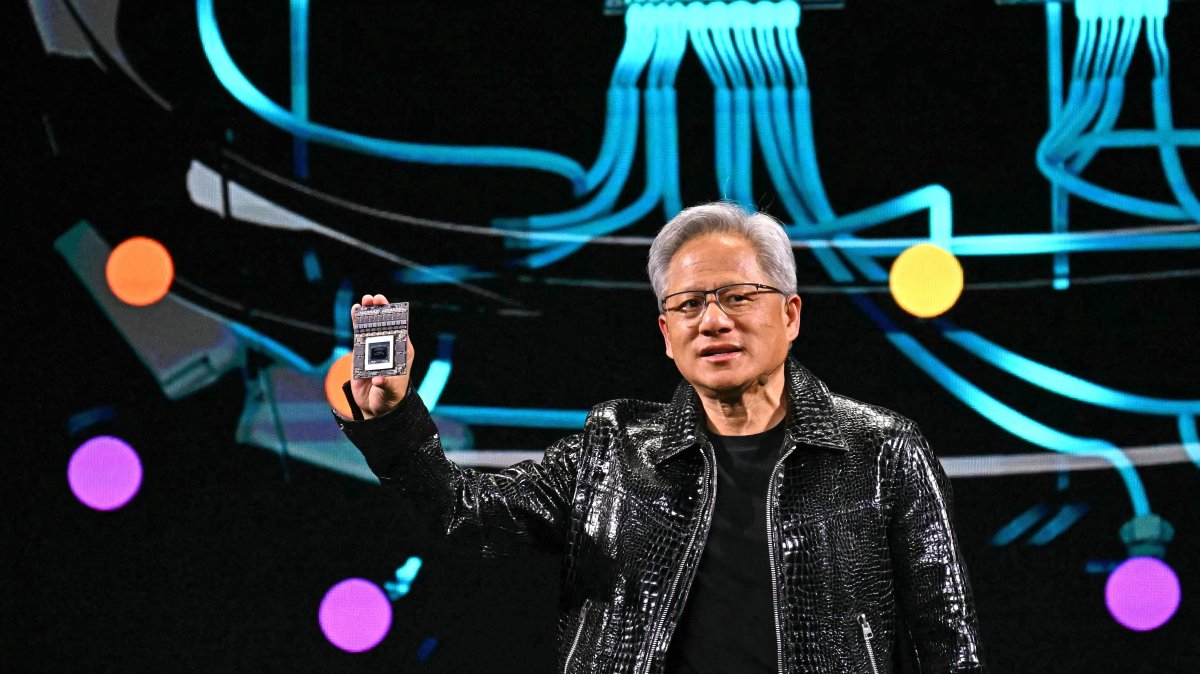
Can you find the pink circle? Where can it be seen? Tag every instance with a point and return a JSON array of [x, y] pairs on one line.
[[1142, 593], [355, 615], [104, 473]]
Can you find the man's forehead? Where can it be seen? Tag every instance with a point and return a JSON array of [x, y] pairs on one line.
[[715, 253]]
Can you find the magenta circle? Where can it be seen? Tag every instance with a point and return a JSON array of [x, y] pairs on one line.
[[1142, 593], [104, 473], [355, 615]]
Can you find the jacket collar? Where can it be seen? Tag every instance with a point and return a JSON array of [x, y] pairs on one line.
[[810, 419]]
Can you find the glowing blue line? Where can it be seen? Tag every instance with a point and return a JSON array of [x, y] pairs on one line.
[[934, 198], [1004, 416], [1054, 61], [768, 48], [1169, 154], [1018, 244], [616, 127], [639, 44], [771, 119], [741, 176], [806, 157], [247, 94], [723, 140], [1117, 201], [1066, 516], [403, 579], [639, 208], [1057, 381], [1191, 441], [743, 48], [662, 180], [770, 151], [1019, 525], [1132, 138], [299, 42], [425, 650], [441, 273], [742, 148], [514, 416], [864, 263], [1064, 139], [1059, 199], [278, 351], [722, 98], [1113, 98], [438, 374], [672, 198], [675, 36], [342, 301], [603, 201], [789, 23], [1076, 117], [726, 51], [312, 266], [812, 190]]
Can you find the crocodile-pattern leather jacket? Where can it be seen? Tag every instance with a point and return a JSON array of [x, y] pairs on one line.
[[863, 550]]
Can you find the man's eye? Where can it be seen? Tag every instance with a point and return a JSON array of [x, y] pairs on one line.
[[738, 299], [689, 305]]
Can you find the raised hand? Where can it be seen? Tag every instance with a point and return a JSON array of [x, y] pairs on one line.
[[379, 394]]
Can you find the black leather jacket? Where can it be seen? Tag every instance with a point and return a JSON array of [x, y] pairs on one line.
[[862, 543]]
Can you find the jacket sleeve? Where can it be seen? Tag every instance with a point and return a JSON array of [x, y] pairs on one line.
[[934, 592], [529, 502]]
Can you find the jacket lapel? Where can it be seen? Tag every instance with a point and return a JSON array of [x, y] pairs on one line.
[[810, 417]]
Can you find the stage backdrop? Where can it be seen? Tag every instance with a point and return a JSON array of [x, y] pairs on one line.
[[992, 204]]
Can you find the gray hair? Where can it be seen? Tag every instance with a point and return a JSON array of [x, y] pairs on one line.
[[763, 232]]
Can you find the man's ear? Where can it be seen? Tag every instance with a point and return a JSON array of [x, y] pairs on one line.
[[791, 309], [666, 333]]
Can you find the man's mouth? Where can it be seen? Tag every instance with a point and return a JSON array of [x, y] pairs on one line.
[[719, 353]]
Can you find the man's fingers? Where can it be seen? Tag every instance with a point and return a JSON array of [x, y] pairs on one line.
[[380, 299]]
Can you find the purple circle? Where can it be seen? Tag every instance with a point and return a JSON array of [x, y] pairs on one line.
[[104, 473], [355, 615], [1142, 593]]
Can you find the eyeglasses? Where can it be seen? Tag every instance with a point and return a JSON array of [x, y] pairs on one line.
[[737, 299]]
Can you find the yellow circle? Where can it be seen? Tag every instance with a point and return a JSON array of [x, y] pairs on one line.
[[339, 372], [139, 271], [926, 280]]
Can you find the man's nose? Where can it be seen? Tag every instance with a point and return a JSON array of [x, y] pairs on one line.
[[713, 318]]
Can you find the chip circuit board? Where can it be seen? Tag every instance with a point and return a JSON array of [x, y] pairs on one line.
[[381, 340]]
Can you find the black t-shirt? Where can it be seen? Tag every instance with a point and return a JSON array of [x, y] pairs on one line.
[[728, 624]]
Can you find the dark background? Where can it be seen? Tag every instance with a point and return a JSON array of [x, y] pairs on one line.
[[219, 564]]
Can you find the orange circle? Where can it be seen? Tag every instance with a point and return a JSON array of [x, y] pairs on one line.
[[339, 373], [139, 271]]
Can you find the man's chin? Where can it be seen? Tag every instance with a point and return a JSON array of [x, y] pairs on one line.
[[723, 385]]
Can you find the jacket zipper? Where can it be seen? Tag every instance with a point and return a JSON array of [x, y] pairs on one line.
[[575, 642], [709, 485], [867, 636], [771, 557]]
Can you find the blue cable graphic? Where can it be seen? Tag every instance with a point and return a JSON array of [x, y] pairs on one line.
[[299, 49], [752, 56], [1109, 34], [1004, 416], [247, 94], [1070, 386]]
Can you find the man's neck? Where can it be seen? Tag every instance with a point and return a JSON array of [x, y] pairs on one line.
[[757, 409]]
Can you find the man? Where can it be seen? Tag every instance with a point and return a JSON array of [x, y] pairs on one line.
[[757, 522]]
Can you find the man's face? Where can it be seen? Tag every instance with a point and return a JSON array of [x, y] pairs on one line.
[[717, 354]]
